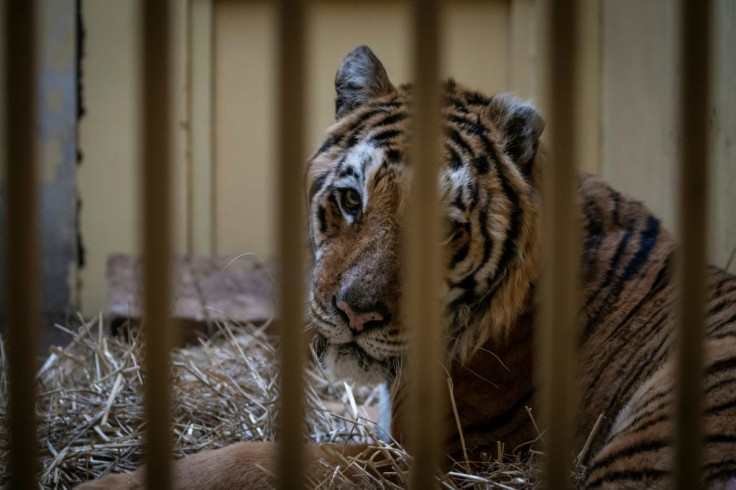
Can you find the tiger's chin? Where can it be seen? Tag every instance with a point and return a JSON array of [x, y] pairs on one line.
[[352, 362]]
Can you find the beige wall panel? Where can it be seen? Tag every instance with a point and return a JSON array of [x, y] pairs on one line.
[[244, 98], [523, 48], [640, 111], [589, 83], [640, 101], [589, 110], [109, 139], [200, 171], [334, 29], [476, 53], [179, 124], [723, 169], [476, 46]]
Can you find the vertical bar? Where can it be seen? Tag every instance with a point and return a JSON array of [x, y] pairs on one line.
[[694, 106], [156, 173], [557, 325], [291, 234], [21, 245], [422, 254]]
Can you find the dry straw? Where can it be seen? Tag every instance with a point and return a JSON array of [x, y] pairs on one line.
[[91, 420]]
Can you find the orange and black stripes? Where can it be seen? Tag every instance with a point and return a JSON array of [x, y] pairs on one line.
[[639, 448], [489, 184]]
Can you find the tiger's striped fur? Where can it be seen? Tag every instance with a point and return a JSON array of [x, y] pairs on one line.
[[489, 184], [357, 185]]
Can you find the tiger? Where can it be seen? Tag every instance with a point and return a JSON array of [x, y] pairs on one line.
[[492, 163]]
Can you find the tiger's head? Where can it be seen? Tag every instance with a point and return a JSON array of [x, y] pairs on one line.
[[358, 182]]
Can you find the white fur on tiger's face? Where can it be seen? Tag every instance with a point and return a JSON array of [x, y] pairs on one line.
[[358, 181]]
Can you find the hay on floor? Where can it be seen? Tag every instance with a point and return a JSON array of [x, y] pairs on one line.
[[225, 390]]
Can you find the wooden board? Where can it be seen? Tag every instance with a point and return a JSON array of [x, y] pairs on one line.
[[205, 291]]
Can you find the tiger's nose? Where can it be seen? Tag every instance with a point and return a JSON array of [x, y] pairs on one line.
[[359, 320]]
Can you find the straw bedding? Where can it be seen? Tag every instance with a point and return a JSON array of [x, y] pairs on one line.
[[225, 390]]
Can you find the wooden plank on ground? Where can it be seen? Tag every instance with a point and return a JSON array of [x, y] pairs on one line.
[[241, 290], [205, 291]]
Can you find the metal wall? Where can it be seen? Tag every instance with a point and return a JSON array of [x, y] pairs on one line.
[[57, 153]]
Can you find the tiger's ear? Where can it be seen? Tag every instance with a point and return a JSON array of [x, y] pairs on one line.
[[520, 125], [361, 77]]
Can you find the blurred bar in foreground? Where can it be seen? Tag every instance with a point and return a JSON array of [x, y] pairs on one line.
[[560, 288], [422, 255], [157, 223], [21, 242], [291, 233]]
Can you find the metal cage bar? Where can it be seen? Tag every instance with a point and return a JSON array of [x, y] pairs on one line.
[[21, 242], [291, 232], [695, 56], [422, 254], [157, 241], [557, 336]]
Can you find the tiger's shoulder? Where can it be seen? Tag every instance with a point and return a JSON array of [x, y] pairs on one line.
[[628, 321]]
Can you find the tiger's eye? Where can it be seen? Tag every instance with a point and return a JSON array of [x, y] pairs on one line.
[[351, 200]]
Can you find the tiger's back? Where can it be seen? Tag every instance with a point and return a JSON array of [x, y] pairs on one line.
[[627, 343], [627, 334]]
